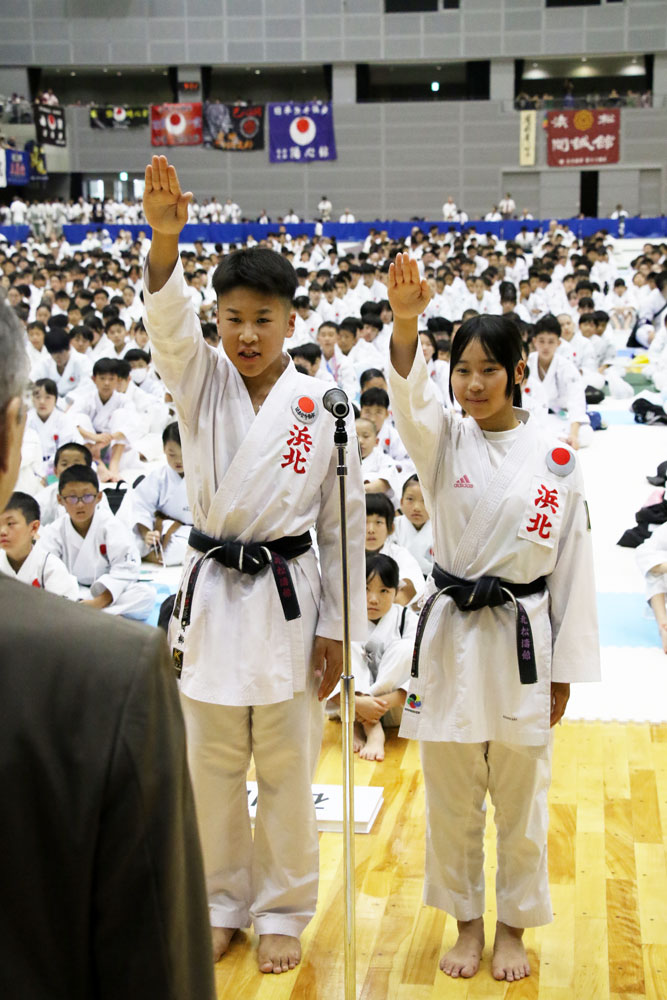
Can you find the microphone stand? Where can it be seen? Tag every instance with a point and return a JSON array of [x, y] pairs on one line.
[[347, 719]]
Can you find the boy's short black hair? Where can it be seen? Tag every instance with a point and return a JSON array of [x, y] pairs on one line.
[[350, 323], [380, 505], [369, 374], [547, 324], [78, 474], [259, 269], [26, 504], [37, 323], [601, 317], [86, 454], [311, 352], [330, 323], [136, 354], [48, 385], [374, 396], [171, 433], [301, 302], [114, 321], [587, 317], [56, 341], [104, 366], [82, 331], [123, 368], [370, 319], [377, 564]]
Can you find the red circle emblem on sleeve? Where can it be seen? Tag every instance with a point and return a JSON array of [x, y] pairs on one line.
[[306, 404], [561, 456]]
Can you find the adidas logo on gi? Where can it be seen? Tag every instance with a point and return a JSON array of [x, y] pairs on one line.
[[464, 482]]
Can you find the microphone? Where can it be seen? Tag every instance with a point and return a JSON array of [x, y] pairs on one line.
[[335, 401]]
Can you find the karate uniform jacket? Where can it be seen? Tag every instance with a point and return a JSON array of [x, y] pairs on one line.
[[107, 558], [382, 663], [44, 570], [418, 543], [255, 478], [517, 522], [75, 372], [56, 430], [562, 387], [377, 465], [99, 854]]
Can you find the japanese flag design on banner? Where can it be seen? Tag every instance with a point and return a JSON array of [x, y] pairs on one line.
[[50, 125], [301, 132], [176, 124]]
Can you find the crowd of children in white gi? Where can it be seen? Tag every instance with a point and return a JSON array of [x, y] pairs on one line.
[[101, 417], [94, 387]]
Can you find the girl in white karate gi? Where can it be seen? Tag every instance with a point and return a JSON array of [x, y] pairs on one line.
[[509, 623]]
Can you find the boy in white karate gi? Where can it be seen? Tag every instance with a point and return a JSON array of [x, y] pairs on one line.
[[414, 529], [378, 469], [259, 636], [160, 509], [97, 549], [22, 555], [381, 665]]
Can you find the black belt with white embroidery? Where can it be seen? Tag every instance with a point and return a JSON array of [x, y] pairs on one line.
[[250, 558], [487, 592]]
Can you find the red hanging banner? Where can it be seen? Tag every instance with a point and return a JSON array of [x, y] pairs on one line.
[[588, 137]]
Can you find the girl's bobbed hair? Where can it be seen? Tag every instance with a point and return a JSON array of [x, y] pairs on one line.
[[501, 342]]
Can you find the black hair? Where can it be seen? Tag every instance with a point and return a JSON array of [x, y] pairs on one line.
[[547, 324], [123, 368], [370, 319], [171, 433], [439, 324], [136, 354], [330, 323], [601, 317], [82, 331], [310, 352], [260, 269], [78, 474], [26, 504], [56, 323], [385, 567], [56, 341], [37, 323], [48, 385], [411, 479], [432, 340], [379, 504], [114, 321], [301, 302], [587, 317], [369, 374], [500, 340], [85, 453], [350, 323], [507, 292], [374, 396], [104, 366]]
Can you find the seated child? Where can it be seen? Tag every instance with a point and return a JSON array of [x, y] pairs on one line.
[[93, 415], [652, 562], [160, 507], [97, 548], [414, 530], [70, 453], [379, 470], [52, 425], [25, 558], [64, 366], [374, 403], [335, 362], [381, 665], [379, 528]]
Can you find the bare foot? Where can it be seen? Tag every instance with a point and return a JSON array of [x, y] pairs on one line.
[[359, 741], [510, 961], [278, 953], [221, 937], [374, 749], [464, 958]]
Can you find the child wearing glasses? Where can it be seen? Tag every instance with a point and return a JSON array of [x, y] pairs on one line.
[[98, 549]]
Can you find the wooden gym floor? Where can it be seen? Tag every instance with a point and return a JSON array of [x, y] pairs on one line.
[[607, 847]]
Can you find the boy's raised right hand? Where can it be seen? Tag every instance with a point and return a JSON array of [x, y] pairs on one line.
[[165, 205]]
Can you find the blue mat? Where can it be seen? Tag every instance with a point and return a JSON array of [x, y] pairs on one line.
[[617, 417], [161, 593], [623, 623]]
